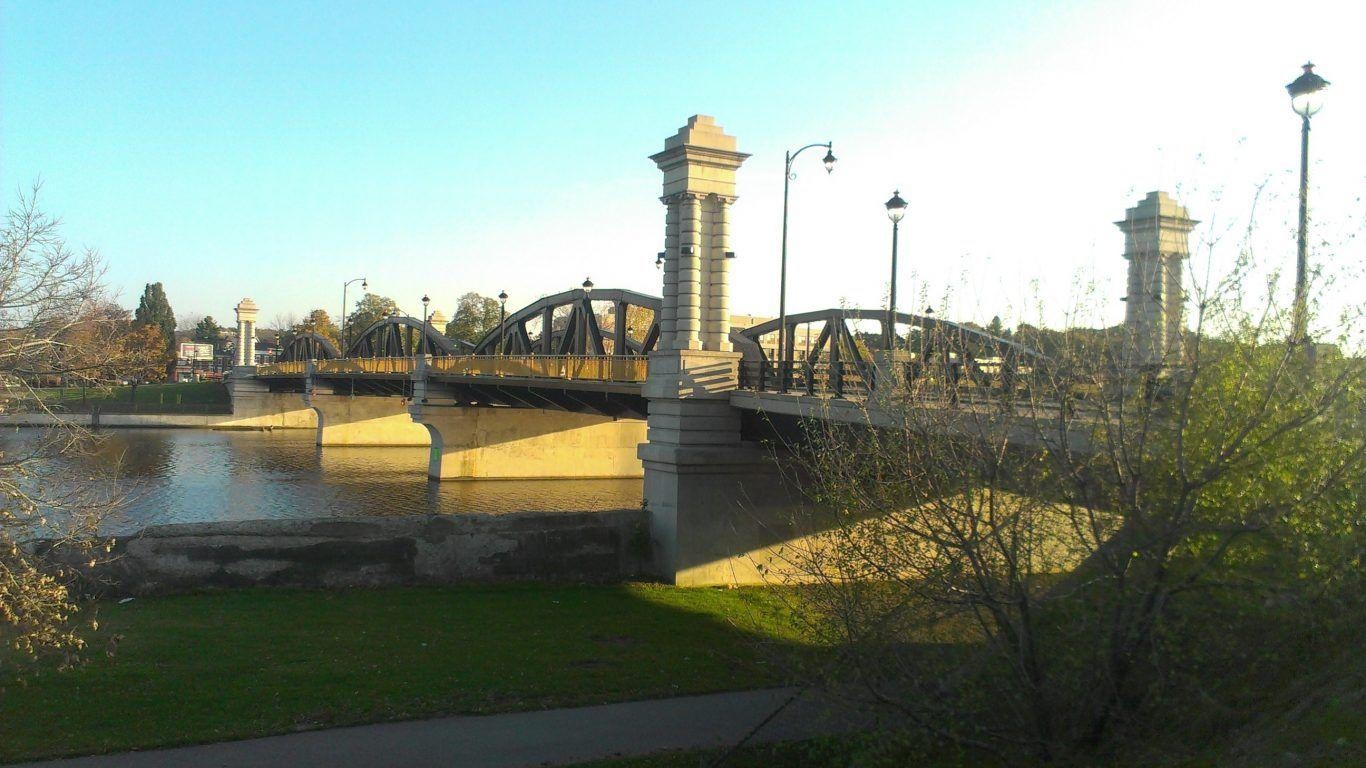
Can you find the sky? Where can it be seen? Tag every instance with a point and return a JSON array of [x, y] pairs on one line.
[[275, 150]]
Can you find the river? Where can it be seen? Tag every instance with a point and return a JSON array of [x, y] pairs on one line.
[[186, 475]]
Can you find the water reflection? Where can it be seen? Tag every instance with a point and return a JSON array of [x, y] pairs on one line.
[[179, 476]]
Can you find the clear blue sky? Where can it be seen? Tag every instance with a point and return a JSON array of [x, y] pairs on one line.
[[273, 150]]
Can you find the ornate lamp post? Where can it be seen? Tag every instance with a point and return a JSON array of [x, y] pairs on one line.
[[1306, 98], [502, 319], [896, 210], [346, 334], [425, 329], [829, 161]]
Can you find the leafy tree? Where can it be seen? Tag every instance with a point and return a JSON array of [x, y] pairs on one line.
[[207, 331], [370, 309], [317, 322], [474, 316]]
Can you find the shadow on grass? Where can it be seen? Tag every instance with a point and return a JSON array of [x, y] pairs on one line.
[[228, 665]]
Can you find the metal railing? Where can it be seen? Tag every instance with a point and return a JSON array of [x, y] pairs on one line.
[[928, 382], [284, 368], [360, 366], [587, 367]]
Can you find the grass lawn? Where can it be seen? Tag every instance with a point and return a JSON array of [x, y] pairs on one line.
[[227, 665], [195, 392]]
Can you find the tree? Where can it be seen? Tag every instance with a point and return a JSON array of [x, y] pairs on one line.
[[1073, 579], [317, 322], [207, 331], [154, 309], [55, 321], [475, 316], [370, 309]]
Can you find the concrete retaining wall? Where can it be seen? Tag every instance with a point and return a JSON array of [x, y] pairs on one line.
[[369, 552]]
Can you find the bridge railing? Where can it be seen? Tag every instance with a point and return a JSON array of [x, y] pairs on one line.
[[283, 368], [367, 365], [587, 367], [935, 381]]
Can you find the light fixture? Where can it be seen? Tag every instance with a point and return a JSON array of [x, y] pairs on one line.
[[896, 207], [587, 285], [659, 260], [1306, 93], [829, 159]]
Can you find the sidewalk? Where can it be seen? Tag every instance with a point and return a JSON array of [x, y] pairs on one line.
[[549, 737]]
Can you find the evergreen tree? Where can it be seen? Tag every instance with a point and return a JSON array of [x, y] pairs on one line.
[[155, 310], [207, 331]]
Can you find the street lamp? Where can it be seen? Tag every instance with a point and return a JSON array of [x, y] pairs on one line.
[[1306, 98], [587, 310], [829, 162], [896, 210], [425, 324], [502, 318], [346, 334]]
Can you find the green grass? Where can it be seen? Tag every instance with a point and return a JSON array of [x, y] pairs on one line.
[[195, 392], [229, 665]]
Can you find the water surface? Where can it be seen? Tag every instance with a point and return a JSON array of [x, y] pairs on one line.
[[184, 475]]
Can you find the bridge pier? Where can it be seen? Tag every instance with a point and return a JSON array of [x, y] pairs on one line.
[[489, 443], [255, 406], [505, 443], [361, 420]]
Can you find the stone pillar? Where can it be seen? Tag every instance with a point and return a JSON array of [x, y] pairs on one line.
[[716, 323], [694, 459], [1155, 243], [699, 164], [246, 332]]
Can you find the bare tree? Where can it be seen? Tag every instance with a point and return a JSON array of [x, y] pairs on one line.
[[55, 324], [1027, 564]]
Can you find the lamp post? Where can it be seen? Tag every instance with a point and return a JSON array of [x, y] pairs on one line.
[[425, 323], [896, 210], [502, 319], [829, 162], [346, 333], [1306, 98], [587, 310]]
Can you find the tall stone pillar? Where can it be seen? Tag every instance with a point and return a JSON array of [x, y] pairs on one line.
[[699, 164], [1155, 243], [246, 332], [694, 460]]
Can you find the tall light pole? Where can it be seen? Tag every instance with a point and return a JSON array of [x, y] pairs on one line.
[[346, 329], [587, 310], [896, 210], [425, 318], [502, 319], [829, 162], [1306, 98]]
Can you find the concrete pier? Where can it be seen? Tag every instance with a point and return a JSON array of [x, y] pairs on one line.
[[523, 443]]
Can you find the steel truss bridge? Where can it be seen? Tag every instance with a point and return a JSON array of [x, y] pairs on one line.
[[587, 352]]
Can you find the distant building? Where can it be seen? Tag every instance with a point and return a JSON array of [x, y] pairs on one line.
[[1155, 243]]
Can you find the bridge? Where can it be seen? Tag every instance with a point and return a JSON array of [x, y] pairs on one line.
[[614, 383]]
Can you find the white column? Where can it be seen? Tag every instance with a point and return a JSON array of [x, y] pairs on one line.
[[668, 313], [688, 326], [717, 321]]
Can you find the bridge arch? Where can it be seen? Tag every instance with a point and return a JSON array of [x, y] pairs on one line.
[[403, 336], [576, 322], [308, 346]]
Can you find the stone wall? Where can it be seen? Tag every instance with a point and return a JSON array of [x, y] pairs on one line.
[[370, 552]]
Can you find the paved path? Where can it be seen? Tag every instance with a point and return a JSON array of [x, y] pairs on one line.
[[550, 737]]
